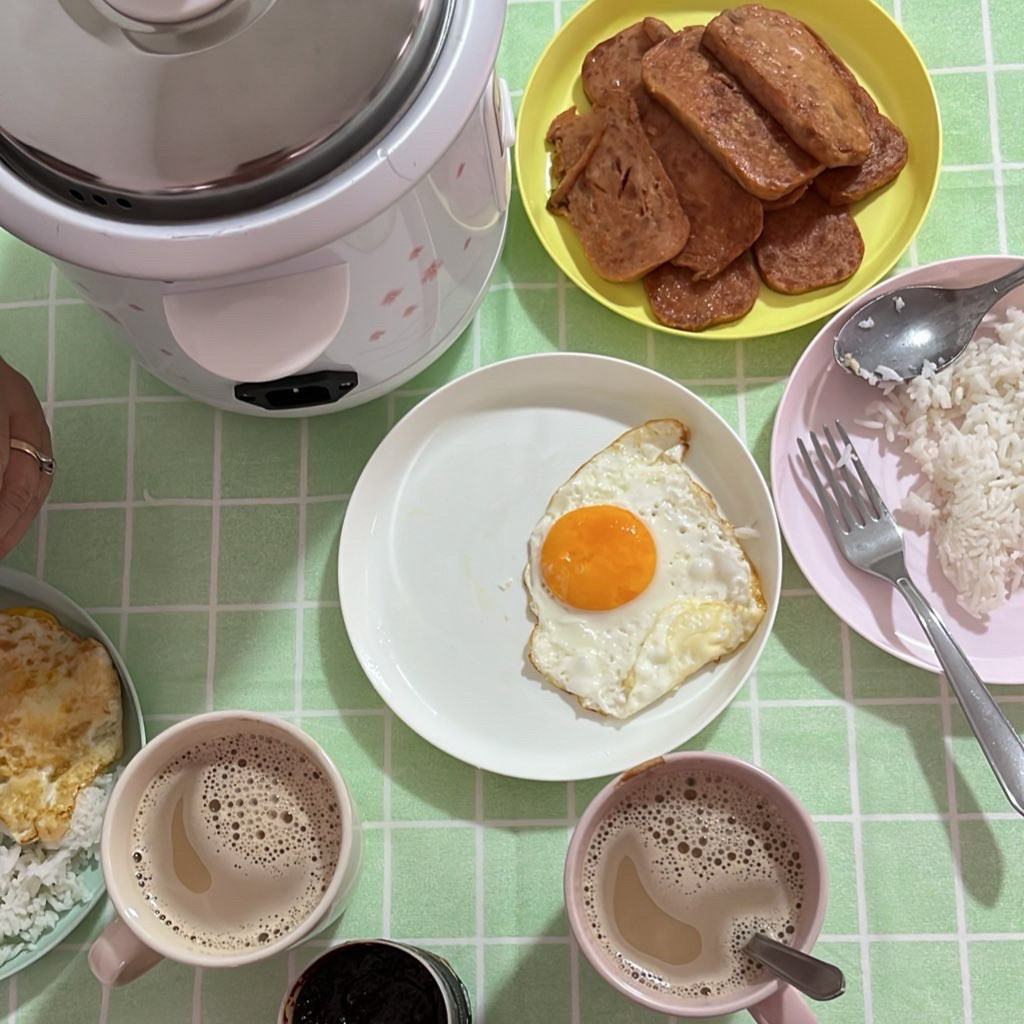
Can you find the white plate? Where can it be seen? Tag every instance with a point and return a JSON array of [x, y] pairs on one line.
[[817, 393], [434, 544], [19, 590]]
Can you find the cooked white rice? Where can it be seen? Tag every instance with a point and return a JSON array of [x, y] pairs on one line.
[[964, 426], [845, 455], [40, 881]]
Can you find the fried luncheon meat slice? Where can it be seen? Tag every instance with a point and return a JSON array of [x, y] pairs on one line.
[[724, 218], [613, 190], [784, 66], [748, 143]]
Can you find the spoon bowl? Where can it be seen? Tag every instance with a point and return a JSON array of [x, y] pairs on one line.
[[900, 331]]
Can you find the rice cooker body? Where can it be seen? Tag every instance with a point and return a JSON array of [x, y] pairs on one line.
[[330, 297], [343, 323]]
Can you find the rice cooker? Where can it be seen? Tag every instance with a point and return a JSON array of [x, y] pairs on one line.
[[284, 207]]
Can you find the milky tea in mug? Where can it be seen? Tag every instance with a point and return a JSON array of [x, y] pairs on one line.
[[235, 841], [679, 871]]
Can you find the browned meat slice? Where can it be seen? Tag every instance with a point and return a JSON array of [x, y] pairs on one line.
[[614, 191], [615, 63], [786, 69], [657, 30], [576, 139], [808, 245], [724, 218], [887, 157], [573, 134], [736, 130], [789, 199], [679, 300]]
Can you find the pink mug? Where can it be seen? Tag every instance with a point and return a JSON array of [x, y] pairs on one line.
[[767, 999]]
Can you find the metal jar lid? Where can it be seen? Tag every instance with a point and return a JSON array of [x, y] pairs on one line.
[[183, 109]]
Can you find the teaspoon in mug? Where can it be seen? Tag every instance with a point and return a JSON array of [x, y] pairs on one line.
[[815, 978]]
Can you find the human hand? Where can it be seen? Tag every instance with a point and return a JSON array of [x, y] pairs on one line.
[[23, 484]]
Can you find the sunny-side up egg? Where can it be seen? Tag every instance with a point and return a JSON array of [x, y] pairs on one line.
[[634, 577]]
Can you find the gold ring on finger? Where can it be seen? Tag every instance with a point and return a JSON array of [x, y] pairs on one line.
[[45, 462]]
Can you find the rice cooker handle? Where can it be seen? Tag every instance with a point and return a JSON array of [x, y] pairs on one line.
[[505, 137], [506, 118], [118, 956]]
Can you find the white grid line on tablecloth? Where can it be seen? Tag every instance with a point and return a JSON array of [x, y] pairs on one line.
[[386, 853], [475, 342], [270, 606], [101, 506], [211, 648], [997, 173], [832, 938], [560, 287], [197, 995], [574, 950], [48, 303], [300, 571], [129, 515], [562, 940], [955, 851], [997, 164], [479, 889], [856, 820], [99, 400], [973, 69]]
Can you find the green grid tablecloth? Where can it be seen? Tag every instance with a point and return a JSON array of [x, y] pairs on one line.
[[205, 544]]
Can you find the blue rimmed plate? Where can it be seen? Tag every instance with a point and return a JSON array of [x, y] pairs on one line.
[[18, 589]]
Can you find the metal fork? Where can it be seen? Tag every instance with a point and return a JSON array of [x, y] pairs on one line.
[[868, 537]]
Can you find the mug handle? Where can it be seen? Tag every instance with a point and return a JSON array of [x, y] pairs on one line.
[[786, 1006], [118, 957]]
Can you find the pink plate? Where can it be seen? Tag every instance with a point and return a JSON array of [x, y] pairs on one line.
[[818, 393]]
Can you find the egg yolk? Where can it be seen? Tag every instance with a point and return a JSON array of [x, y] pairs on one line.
[[597, 557]]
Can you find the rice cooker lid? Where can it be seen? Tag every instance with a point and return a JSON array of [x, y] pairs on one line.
[[173, 109]]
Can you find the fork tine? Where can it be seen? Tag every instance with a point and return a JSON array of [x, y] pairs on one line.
[[842, 503], [823, 499], [851, 484], [881, 509]]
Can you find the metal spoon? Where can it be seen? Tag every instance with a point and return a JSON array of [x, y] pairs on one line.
[[905, 327], [813, 977]]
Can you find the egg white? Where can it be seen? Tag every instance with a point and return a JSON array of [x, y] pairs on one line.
[[703, 601]]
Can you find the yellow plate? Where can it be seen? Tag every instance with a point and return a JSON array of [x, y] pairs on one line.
[[878, 53]]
